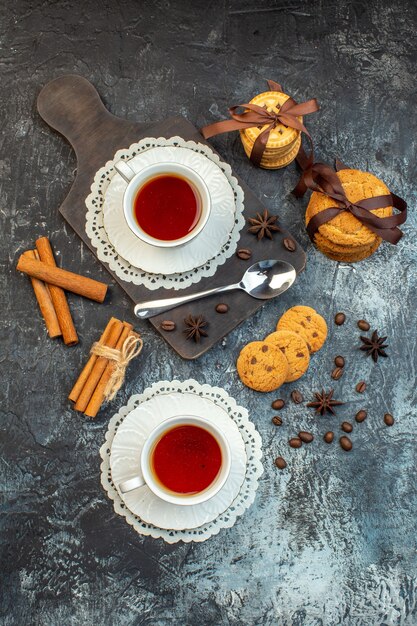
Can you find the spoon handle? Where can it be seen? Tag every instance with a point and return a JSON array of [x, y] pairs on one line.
[[149, 309]]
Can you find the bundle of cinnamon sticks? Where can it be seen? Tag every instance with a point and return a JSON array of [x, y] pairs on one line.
[[49, 284], [102, 376]]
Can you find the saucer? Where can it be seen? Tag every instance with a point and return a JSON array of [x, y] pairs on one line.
[[191, 255], [125, 460]]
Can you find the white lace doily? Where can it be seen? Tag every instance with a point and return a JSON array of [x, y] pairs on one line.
[[107, 254], [254, 468]]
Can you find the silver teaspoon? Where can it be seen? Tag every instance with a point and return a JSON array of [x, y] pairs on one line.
[[263, 280]]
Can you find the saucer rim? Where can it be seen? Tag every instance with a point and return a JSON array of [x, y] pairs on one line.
[[236, 489]]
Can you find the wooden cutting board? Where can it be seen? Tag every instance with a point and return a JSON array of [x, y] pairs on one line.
[[72, 106]]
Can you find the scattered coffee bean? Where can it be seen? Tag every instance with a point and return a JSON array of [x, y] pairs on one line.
[[289, 244], [296, 397], [305, 436], [339, 319], [346, 426], [339, 361], [168, 325], [222, 308], [337, 373], [280, 462], [295, 442], [388, 419], [361, 416], [277, 420], [363, 325], [345, 443], [361, 386], [278, 404], [244, 254], [328, 437]]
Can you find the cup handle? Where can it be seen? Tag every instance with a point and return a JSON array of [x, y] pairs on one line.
[[124, 170], [131, 484]]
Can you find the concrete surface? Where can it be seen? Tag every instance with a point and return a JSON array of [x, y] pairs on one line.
[[331, 540]]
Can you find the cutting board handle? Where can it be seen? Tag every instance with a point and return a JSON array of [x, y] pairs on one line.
[[72, 106]]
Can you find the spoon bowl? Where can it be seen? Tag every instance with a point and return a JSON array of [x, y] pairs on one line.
[[262, 280], [268, 279]]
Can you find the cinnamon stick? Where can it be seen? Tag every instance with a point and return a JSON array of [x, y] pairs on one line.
[[98, 369], [59, 299], [45, 302], [81, 285], [97, 398], [88, 367]]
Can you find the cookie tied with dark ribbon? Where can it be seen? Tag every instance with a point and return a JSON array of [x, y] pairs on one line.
[[323, 179], [255, 115]]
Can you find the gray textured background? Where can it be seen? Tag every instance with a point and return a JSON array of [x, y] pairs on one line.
[[332, 539]]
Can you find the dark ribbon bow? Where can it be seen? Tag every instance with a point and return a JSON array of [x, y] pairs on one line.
[[258, 116], [320, 177]]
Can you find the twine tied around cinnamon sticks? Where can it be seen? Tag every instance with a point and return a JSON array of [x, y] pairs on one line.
[[104, 372], [131, 348]]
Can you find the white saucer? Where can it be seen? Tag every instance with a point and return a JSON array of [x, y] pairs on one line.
[[125, 463], [189, 256]]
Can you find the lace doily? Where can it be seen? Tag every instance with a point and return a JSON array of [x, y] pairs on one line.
[[107, 254], [254, 468]]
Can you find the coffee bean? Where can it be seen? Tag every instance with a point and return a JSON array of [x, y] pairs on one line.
[[388, 419], [222, 308], [361, 416], [361, 386], [289, 244], [278, 404], [363, 325], [295, 442], [305, 436], [339, 319], [346, 426], [339, 361], [244, 254], [328, 437], [168, 325], [337, 373], [277, 420], [280, 462], [345, 443], [296, 397]]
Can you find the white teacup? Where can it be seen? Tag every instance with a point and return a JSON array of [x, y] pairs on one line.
[[137, 180], [147, 476]]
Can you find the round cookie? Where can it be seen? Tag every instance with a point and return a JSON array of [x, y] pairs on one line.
[[274, 163], [344, 251], [345, 229], [262, 366], [295, 350], [306, 322], [280, 135], [353, 256], [274, 153]]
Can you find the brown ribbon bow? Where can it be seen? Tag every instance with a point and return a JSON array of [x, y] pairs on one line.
[[258, 116], [320, 177]]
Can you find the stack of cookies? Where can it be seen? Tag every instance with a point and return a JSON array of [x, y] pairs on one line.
[[283, 142], [345, 238], [284, 355]]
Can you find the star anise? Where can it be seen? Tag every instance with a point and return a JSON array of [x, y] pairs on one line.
[[263, 225], [324, 402], [374, 346], [195, 327]]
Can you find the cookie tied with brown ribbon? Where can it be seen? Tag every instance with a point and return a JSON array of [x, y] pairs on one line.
[[270, 127], [350, 212]]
